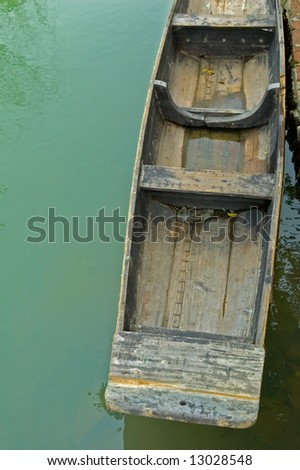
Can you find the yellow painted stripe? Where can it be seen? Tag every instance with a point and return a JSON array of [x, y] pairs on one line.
[[149, 383]]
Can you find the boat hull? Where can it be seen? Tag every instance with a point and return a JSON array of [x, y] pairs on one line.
[[203, 219]]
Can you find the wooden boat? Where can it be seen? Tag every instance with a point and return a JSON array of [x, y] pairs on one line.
[[203, 218]]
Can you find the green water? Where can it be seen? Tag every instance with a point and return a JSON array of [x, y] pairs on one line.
[[73, 81]]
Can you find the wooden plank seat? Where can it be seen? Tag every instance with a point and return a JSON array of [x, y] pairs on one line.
[[201, 377], [224, 21], [210, 182], [224, 34], [218, 119]]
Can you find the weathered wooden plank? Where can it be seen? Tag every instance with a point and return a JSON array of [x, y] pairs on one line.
[[170, 145], [257, 146], [229, 7], [243, 275], [255, 79], [177, 285], [154, 401], [183, 82], [152, 288], [190, 364], [228, 21], [220, 83], [206, 282], [214, 150], [260, 186]]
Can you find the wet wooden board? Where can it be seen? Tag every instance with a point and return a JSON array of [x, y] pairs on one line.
[[190, 364], [156, 178], [153, 401]]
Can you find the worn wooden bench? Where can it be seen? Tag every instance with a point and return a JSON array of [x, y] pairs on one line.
[[208, 182]]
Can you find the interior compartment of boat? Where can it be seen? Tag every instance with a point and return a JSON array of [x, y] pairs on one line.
[[216, 89], [207, 174], [192, 262]]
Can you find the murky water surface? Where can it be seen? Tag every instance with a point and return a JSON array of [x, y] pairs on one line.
[[73, 81]]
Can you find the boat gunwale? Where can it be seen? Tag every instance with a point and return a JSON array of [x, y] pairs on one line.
[[136, 172]]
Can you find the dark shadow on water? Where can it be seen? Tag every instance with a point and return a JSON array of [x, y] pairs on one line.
[[143, 433], [294, 148]]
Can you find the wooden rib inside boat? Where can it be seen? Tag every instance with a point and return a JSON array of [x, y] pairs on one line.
[[203, 218]]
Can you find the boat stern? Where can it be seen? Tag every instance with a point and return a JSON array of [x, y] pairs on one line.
[[192, 380]]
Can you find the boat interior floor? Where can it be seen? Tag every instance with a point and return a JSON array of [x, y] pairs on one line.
[[212, 186], [205, 259]]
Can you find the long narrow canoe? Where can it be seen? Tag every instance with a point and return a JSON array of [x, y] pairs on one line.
[[203, 218]]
